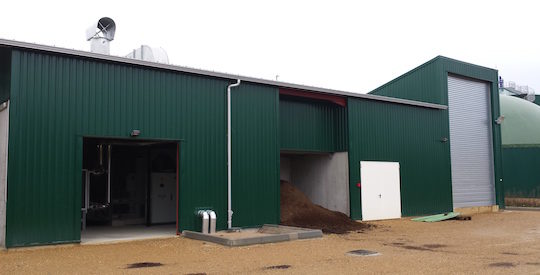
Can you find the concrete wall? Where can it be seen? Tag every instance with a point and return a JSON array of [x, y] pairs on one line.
[[4, 127], [324, 179]]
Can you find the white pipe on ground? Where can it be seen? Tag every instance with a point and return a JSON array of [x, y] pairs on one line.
[[213, 217], [229, 163], [204, 215]]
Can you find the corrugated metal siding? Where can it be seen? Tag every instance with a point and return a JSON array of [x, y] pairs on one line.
[[5, 74], [470, 143], [308, 125], [255, 155], [411, 136], [521, 173], [422, 84], [56, 100], [428, 83]]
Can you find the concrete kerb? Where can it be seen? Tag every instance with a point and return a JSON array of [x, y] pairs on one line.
[[268, 234]]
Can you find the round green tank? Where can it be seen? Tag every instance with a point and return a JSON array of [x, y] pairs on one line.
[[521, 125]]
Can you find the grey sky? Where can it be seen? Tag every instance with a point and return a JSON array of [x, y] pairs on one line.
[[354, 46]]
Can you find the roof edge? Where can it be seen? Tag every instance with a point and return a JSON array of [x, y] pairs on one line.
[[124, 60], [407, 73], [436, 58]]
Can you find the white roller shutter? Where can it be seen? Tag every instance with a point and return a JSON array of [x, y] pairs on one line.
[[470, 142]]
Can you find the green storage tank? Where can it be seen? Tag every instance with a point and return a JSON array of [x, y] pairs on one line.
[[521, 147]]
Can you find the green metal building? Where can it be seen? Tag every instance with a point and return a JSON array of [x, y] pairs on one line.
[[70, 117], [472, 123]]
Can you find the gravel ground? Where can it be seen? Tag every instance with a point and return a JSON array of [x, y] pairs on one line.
[[504, 242]]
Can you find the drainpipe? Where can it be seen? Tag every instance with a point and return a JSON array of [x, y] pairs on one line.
[[229, 152]]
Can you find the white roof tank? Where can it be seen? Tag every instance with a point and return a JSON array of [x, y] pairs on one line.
[[151, 54]]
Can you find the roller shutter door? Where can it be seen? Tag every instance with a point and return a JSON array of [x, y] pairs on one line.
[[470, 142]]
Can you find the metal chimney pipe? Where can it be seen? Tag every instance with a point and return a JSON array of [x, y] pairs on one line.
[[204, 215], [213, 218]]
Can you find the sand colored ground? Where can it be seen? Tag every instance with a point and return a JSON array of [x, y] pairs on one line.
[[504, 242]]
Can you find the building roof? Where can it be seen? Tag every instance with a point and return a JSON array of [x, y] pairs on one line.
[[521, 120], [71, 52]]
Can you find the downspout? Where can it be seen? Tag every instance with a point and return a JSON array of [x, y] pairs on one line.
[[229, 153]]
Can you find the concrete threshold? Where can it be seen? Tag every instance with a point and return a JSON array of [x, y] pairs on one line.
[[268, 233], [112, 234]]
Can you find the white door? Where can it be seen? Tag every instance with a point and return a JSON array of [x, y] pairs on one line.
[[380, 190], [470, 143], [163, 198]]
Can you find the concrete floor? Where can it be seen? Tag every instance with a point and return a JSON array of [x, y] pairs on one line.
[[105, 234]]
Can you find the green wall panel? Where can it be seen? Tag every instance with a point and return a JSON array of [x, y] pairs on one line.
[[5, 74], [521, 173], [422, 84], [308, 125], [428, 83], [255, 155], [380, 131]]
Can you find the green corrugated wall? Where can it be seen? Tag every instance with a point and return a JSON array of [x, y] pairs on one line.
[[380, 131], [255, 158], [521, 173], [5, 74], [309, 125], [429, 83], [422, 84], [56, 100]]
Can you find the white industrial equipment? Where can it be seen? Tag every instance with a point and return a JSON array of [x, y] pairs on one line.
[[100, 34], [163, 198], [150, 54]]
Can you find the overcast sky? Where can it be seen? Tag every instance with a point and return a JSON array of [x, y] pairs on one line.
[[344, 45]]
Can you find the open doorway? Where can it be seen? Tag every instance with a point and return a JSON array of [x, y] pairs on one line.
[[129, 189], [322, 177]]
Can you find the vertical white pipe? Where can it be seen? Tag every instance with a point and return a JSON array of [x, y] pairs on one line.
[[212, 227], [4, 135], [229, 163], [204, 222]]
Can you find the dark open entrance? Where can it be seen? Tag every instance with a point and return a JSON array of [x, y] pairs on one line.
[[128, 184]]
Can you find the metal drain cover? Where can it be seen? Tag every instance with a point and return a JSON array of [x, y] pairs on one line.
[[361, 252]]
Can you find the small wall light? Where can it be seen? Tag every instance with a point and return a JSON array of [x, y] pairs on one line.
[[135, 133], [499, 120]]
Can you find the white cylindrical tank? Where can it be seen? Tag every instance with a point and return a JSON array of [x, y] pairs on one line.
[[150, 54]]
